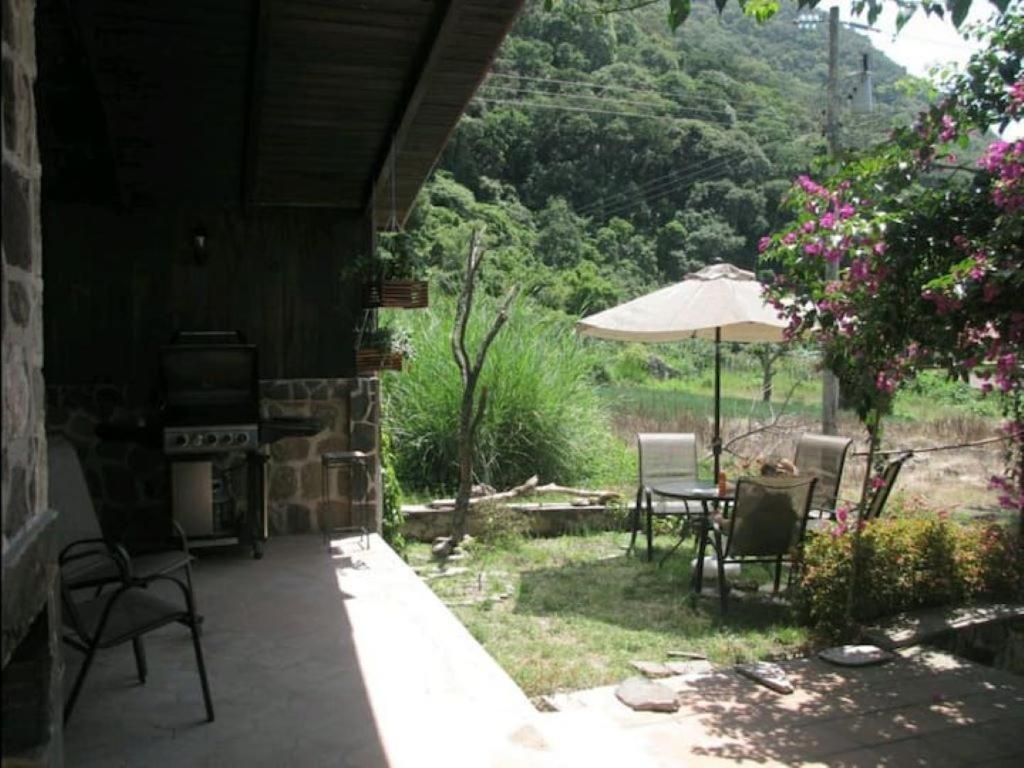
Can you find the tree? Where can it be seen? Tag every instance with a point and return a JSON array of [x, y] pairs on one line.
[[762, 10], [930, 253], [472, 408]]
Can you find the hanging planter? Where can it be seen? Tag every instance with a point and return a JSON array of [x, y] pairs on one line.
[[395, 283], [382, 349], [396, 294], [373, 360]]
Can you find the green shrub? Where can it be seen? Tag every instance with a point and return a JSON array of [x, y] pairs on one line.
[[543, 414], [902, 564], [391, 497]]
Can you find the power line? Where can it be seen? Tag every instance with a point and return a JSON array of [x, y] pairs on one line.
[[616, 101], [711, 172], [654, 184], [663, 189], [608, 86], [683, 115]]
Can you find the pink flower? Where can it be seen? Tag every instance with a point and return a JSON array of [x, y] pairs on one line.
[[1016, 94], [809, 226], [789, 238], [812, 249], [764, 244], [948, 128], [828, 221], [880, 248], [846, 211], [877, 482]]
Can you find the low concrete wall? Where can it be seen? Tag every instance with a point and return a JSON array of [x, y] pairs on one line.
[[425, 524]]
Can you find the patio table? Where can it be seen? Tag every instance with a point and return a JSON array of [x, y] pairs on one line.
[[707, 494]]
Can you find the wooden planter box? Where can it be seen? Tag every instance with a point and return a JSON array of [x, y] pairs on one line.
[[396, 294], [372, 360]]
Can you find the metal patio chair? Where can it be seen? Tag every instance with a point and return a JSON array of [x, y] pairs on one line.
[[823, 457], [767, 525], [124, 615], [80, 532], [663, 457], [876, 503]]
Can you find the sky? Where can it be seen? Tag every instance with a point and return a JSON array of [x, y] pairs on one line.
[[925, 41]]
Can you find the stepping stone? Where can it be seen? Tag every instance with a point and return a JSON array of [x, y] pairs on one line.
[[767, 674], [651, 668], [686, 655], [698, 667], [855, 655], [645, 695]]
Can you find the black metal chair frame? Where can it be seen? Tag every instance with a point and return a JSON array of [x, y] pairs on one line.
[[722, 552], [891, 471], [90, 642]]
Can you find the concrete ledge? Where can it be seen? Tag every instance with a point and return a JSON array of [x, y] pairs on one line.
[[425, 524], [915, 627]]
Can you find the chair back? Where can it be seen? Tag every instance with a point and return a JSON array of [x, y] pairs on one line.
[[823, 457], [666, 456], [69, 493], [769, 516], [876, 505]]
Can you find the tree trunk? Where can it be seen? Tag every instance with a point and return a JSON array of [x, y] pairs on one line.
[[471, 411], [767, 375]]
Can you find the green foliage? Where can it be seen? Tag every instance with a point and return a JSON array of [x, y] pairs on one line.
[[905, 563], [543, 416], [391, 496]]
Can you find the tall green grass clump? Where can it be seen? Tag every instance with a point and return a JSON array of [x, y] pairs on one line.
[[543, 414]]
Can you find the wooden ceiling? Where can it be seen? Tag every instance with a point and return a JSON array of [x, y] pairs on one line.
[[264, 102]]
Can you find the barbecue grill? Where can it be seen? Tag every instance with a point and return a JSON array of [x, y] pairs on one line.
[[209, 383]]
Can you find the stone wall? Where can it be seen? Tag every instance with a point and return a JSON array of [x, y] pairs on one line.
[[30, 648], [128, 481], [350, 408]]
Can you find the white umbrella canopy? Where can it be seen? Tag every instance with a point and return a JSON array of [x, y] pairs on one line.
[[719, 296], [720, 302]]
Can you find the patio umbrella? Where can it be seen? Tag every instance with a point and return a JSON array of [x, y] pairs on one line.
[[720, 302]]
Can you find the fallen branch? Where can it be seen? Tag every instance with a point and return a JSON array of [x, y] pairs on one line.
[[529, 488]]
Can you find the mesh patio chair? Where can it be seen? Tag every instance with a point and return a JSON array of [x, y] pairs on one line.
[[80, 532], [124, 615], [663, 457], [823, 457], [767, 525], [876, 503]]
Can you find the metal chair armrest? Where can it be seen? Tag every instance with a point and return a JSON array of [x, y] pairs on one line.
[[113, 552]]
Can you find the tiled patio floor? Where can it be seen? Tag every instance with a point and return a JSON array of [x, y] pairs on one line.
[[352, 661], [314, 661]]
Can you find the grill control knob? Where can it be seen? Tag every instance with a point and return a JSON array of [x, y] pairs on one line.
[[197, 440], [181, 440], [210, 438], [241, 438], [225, 438]]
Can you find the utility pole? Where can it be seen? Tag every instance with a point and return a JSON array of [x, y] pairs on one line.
[[829, 383]]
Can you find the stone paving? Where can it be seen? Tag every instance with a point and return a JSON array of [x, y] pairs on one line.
[[350, 660]]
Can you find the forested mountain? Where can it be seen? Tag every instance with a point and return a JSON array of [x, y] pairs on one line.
[[607, 155]]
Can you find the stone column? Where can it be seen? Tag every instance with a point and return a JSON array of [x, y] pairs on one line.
[[364, 410], [31, 649]]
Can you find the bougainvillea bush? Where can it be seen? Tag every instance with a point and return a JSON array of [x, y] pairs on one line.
[[902, 564], [929, 250]]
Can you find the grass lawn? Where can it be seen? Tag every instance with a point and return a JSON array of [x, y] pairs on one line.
[[578, 610]]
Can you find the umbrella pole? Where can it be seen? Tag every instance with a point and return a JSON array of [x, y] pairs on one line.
[[716, 440]]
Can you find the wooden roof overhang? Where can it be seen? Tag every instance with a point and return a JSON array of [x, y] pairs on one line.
[[291, 103]]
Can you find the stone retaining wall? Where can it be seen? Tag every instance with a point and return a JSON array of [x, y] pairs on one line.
[[424, 524]]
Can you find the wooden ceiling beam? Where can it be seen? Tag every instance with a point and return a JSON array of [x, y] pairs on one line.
[[423, 73]]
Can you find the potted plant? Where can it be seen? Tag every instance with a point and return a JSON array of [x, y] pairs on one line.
[[382, 349], [395, 283]]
